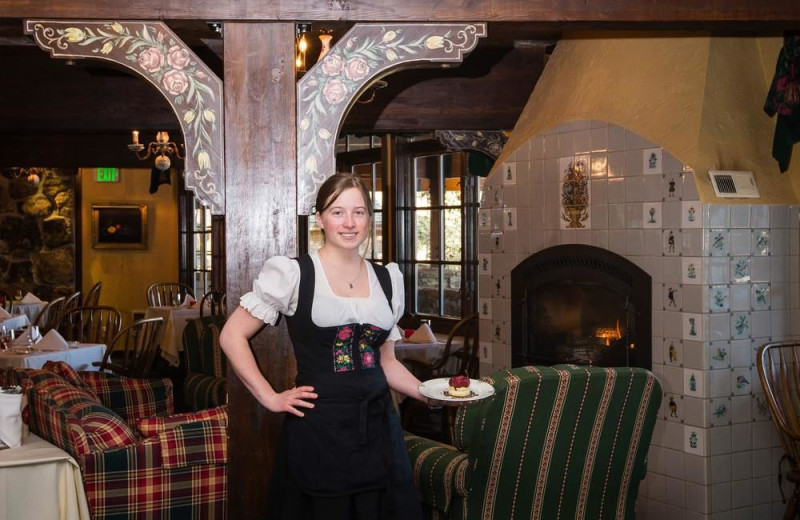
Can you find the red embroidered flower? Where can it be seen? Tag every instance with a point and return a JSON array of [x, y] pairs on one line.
[[345, 333]]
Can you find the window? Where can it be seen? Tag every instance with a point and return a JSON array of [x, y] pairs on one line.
[[196, 245]]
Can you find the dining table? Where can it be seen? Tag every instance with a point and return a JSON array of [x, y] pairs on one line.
[[40, 480], [175, 320], [79, 356], [30, 309]]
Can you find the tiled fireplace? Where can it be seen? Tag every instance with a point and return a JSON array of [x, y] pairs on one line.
[[725, 280]]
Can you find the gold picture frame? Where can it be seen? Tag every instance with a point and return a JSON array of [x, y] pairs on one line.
[[119, 226]]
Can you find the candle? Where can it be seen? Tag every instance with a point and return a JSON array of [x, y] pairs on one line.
[[135, 135]]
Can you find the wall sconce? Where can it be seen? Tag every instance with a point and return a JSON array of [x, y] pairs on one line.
[[301, 45], [161, 149], [32, 175], [325, 38]]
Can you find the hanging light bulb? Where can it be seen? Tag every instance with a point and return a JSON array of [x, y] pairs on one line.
[[301, 46]]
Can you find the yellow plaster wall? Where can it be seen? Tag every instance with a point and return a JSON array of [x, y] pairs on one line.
[[699, 97], [126, 274]]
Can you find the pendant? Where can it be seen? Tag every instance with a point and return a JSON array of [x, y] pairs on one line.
[[350, 284]]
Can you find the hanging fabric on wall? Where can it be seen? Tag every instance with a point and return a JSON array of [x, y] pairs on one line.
[[783, 99], [157, 178]]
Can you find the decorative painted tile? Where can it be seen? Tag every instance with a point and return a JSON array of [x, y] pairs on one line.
[[496, 220], [741, 381], [486, 352], [510, 219], [760, 407], [575, 192], [694, 441], [760, 242], [497, 286], [692, 270], [672, 241], [497, 332], [693, 326], [484, 220], [691, 216], [718, 242], [485, 264], [719, 354], [673, 407], [673, 352], [761, 300], [672, 297], [694, 382], [672, 186], [718, 411], [740, 325], [740, 269], [719, 298], [485, 307], [509, 173], [651, 161], [651, 215]]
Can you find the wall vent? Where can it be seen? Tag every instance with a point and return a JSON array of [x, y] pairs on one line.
[[734, 184]]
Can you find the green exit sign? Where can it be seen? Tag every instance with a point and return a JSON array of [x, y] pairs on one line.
[[107, 175]]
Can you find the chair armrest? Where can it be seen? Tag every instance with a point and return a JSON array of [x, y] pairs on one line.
[[191, 444], [132, 398], [440, 471], [152, 426]]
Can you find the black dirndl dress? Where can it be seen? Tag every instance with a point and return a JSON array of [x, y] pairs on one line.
[[346, 458]]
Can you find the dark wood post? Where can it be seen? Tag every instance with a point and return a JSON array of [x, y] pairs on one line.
[[260, 223]]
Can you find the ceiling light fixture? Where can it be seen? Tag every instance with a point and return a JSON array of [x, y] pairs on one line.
[[161, 148]]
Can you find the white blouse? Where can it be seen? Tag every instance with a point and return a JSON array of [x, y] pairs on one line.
[[275, 292]]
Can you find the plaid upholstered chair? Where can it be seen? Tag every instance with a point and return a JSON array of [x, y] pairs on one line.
[[554, 442], [137, 458], [205, 384]]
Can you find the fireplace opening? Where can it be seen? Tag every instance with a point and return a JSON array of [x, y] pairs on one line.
[[580, 304]]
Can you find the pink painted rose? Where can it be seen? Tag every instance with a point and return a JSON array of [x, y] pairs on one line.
[[345, 333], [332, 65], [151, 59], [334, 91], [178, 57], [356, 68], [175, 82]]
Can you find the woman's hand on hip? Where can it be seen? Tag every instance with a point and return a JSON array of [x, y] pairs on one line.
[[290, 400]]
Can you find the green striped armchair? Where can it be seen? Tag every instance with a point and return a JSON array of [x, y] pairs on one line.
[[205, 385], [554, 442]]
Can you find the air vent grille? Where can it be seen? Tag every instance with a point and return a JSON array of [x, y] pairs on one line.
[[734, 184]]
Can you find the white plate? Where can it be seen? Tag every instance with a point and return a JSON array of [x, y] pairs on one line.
[[437, 389]]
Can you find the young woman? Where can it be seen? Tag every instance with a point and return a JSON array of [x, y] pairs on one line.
[[342, 455]]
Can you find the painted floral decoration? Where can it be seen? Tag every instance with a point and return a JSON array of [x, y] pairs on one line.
[[575, 195]]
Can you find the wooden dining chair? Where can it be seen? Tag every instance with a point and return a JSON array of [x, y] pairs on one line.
[[133, 350], [49, 316], [163, 294], [778, 365], [93, 296], [90, 324], [455, 359], [73, 301], [213, 304]]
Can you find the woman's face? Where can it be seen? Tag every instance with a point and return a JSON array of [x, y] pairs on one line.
[[346, 221]]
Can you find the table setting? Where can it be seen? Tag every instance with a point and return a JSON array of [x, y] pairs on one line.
[[175, 319], [30, 349], [28, 305]]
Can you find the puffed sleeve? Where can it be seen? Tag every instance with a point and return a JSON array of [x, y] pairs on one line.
[[398, 299], [274, 291]]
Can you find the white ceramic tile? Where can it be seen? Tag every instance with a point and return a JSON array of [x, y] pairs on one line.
[[719, 298], [719, 354], [742, 411], [719, 383], [761, 296], [582, 141], [672, 297], [761, 245], [484, 220], [741, 353], [485, 263], [509, 170], [759, 216], [740, 269], [694, 440], [598, 139], [740, 325], [718, 326], [718, 242], [485, 308], [616, 138], [694, 355], [653, 187], [695, 298], [673, 352], [760, 269], [691, 270], [692, 242], [740, 297], [616, 190], [740, 216], [694, 411], [672, 242], [717, 215], [486, 352], [719, 412], [691, 215], [672, 186], [741, 381], [673, 407], [672, 379], [693, 326], [779, 216], [510, 219], [651, 215], [718, 270], [652, 245], [633, 162], [652, 161], [671, 214], [634, 189], [740, 242]]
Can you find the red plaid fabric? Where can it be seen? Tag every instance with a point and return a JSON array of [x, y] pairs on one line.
[[106, 431], [155, 425], [132, 398], [204, 442], [68, 373], [55, 424]]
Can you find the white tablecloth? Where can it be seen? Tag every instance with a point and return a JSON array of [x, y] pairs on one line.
[[29, 309], [175, 320], [39, 480], [80, 357]]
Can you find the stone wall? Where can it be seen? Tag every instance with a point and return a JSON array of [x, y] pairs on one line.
[[37, 233]]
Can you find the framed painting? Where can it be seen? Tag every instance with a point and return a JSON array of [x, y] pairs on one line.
[[122, 226]]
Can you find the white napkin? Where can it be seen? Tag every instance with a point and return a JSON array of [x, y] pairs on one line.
[[30, 298], [12, 429], [4, 314], [22, 339], [187, 302], [423, 334], [52, 341], [16, 323]]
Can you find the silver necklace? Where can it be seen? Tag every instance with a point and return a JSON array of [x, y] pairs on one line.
[[360, 267]]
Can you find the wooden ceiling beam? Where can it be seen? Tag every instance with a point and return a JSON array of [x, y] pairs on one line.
[[783, 11]]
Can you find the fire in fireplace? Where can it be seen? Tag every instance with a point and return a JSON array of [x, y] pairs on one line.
[[580, 304]]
